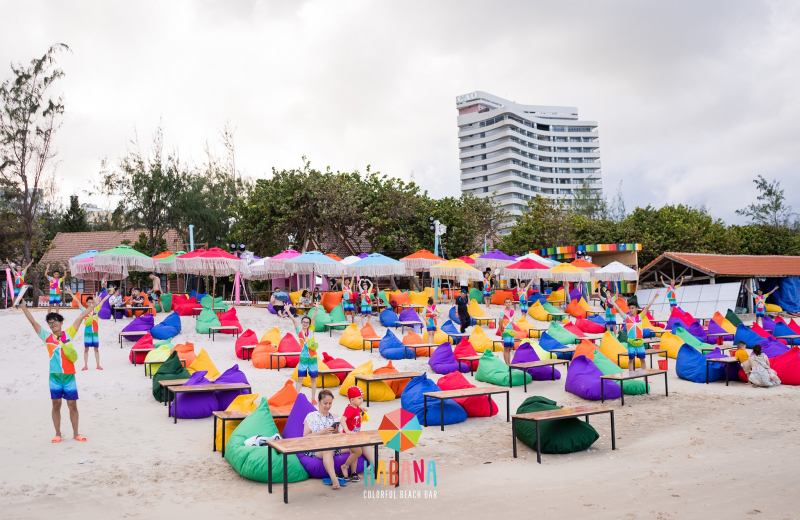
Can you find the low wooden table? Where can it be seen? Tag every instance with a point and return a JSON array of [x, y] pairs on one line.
[[278, 355], [371, 342], [329, 371], [213, 331], [650, 352], [557, 415], [173, 391], [410, 324], [225, 416], [428, 346], [643, 373], [592, 337], [533, 364], [247, 351], [725, 361], [719, 336], [166, 383], [536, 328], [334, 324], [336, 441], [469, 360], [564, 350], [138, 333], [390, 376], [456, 336], [135, 351], [722, 348], [788, 336], [499, 342], [441, 395], [196, 311], [414, 306], [148, 366], [485, 319]]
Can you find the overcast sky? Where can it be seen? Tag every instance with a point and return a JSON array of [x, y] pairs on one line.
[[692, 98]]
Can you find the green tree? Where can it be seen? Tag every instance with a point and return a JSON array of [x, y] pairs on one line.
[[75, 217], [616, 210], [468, 219], [545, 223], [761, 239], [770, 207], [588, 200]]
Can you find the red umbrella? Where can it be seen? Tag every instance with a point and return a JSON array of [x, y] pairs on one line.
[[467, 259], [526, 269]]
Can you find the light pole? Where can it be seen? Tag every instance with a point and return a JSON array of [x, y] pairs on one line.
[[438, 229]]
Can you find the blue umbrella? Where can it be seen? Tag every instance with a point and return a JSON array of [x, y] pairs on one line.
[[377, 264], [313, 262]]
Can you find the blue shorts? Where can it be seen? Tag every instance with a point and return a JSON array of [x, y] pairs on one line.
[[91, 340], [366, 310], [16, 291], [508, 342], [431, 325], [63, 386], [761, 313], [487, 294], [523, 307], [348, 307], [55, 299], [635, 352], [308, 369]]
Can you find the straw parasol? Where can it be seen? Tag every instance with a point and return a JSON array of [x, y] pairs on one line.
[[494, 259], [536, 258], [123, 257], [467, 260], [615, 272], [585, 264], [422, 260], [567, 273], [84, 269], [75, 259], [275, 263], [456, 268], [165, 261], [377, 264], [214, 262], [313, 262], [334, 256], [526, 269], [258, 270]]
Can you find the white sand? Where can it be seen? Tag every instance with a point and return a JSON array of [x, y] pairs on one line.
[[706, 451]]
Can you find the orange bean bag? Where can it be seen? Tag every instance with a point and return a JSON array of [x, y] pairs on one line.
[[412, 338], [186, 352], [500, 297], [331, 299], [77, 298], [397, 385], [585, 348], [575, 310], [261, 356], [400, 298], [282, 402], [367, 331], [622, 303]]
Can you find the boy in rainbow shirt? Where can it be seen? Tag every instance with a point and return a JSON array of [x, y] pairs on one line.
[[91, 327], [307, 366], [19, 276], [62, 369], [56, 283]]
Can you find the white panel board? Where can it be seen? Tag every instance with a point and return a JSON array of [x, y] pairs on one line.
[[702, 301]]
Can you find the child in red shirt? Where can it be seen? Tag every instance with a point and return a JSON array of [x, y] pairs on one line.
[[352, 416]]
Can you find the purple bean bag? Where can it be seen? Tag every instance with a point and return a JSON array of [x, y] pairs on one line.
[[524, 354], [773, 348], [409, 315], [443, 361], [583, 380], [294, 428], [168, 328], [105, 309], [696, 330], [144, 322], [232, 375], [271, 309], [714, 328], [411, 400], [575, 294], [768, 324], [195, 406], [691, 365], [391, 347]]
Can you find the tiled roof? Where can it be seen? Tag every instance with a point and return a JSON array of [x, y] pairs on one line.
[[735, 265], [66, 245]]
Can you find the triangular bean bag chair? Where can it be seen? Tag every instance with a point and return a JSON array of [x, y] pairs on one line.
[[606, 366], [478, 406], [492, 369], [696, 330], [330, 380], [553, 311], [715, 328], [367, 331], [396, 385], [383, 297], [768, 324], [481, 342], [590, 327], [289, 343], [294, 297], [691, 365], [281, 402], [145, 342], [334, 363], [523, 325], [571, 327], [418, 298], [585, 348], [195, 405], [202, 362], [186, 352], [337, 315], [787, 365], [229, 319], [439, 337], [388, 318], [411, 400], [392, 348], [168, 328], [560, 334], [215, 303], [169, 369], [524, 354], [245, 403], [321, 319], [597, 318], [449, 328], [443, 361], [542, 353], [465, 349], [781, 329], [575, 310], [755, 327], [537, 312], [564, 436], [166, 302], [105, 311], [747, 336], [331, 299], [690, 339], [294, 428], [144, 322], [733, 318], [262, 359], [251, 461], [475, 310], [672, 344], [157, 356], [723, 322], [548, 343], [794, 326], [557, 296], [453, 315], [773, 348], [611, 347], [583, 380], [248, 338], [477, 295], [351, 338], [205, 321], [378, 391], [648, 326], [411, 316], [773, 308], [412, 338], [272, 335], [232, 375]]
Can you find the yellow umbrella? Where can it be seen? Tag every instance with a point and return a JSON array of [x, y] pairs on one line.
[[567, 273], [456, 268]]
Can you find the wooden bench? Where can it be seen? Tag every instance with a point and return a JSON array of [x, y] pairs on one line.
[[557, 415], [563, 350], [335, 441], [213, 331], [225, 416], [725, 361], [334, 324], [389, 376], [173, 391], [538, 329], [621, 377], [592, 336], [329, 371], [456, 336], [469, 360], [485, 319], [441, 395], [148, 366], [138, 333], [135, 351], [410, 324], [650, 352], [371, 342], [534, 364], [428, 346], [278, 355]]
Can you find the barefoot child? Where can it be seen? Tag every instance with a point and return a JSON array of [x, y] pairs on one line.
[[91, 327], [347, 300], [508, 330], [431, 315], [760, 301], [56, 283], [366, 299], [19, 276], [671, 293], [487, 288], [354, 414], [62, 369], [308, 354], [523, 298], [634, 332]]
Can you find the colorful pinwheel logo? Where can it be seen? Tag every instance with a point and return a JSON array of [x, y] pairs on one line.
[[400, 430]]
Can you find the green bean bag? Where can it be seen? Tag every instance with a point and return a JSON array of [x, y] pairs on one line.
[[492, 369], [169, 369], [384, 298], [321, 319], [251, 461], [475, 294], [217, 304], [337, 314], [205, 321], [606, 366], [553, 310], [690, 339], [733, 318], [560, 334], [564, 436], [165, 302]]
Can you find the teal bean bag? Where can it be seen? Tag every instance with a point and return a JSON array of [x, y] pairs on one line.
[[475, 294], [205, 321], [321, 319], [251, 461], [166, 302], [169, 369], [384, 298], [492, 369], [562, 335], [337, 314], [564, 436], [553, 310], [606, 366]]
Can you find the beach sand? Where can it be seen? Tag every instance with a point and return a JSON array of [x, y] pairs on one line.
[[706, 451]]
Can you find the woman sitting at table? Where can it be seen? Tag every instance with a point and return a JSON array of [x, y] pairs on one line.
[[316, 296], [323, 422], [760, 372]]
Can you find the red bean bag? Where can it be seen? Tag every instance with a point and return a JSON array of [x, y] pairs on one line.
[[334, 363], [247, 339], [794, 326], [145, 342], [787, 365], [229, 319], [575, 310], [331, 300], [478, 406], [184, 305], [589, 326], [290, 344], [759, 330], [464, 349], [574, 329]]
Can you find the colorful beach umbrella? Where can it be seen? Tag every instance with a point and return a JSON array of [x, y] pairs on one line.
[[313, 262], [584, 264], [567, 273], [536, 258], [258, 270], [467, 260], [334, 256], [84, 269], [123, 257], [350, 260], [275, 263], [74, 260], [165, 261], [615, 272], [214, 262], [494, 260], [456, 268], [422, 260], [526, 269], [400, 430], [377, 264]]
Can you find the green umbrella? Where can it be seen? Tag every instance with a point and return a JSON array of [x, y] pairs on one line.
[[125, 257]]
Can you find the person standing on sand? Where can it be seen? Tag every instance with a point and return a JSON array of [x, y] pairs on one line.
[[62, 368], [462, 301]]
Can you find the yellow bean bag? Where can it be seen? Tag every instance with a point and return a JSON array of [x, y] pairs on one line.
[[330, 379], [559, 296], [771, 307], [294, 297], [428, 292], [203, 362], [157, 356], [351, 338], [537, 312], [723, 322], [647, 324], [246, 403], [273, 336], [378, 391], [418, 298], [672, 344], [480, 341], [610, 347], [439, 337], [584, 304], [475, 310], [542, 353]]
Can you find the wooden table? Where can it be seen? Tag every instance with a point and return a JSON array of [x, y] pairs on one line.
[[650, 352], [536, 328], [329, 371], [428, 346], [404, 324], [212, 331], [502, 345], [592, 337], [371, 342], [132, 308], [533, 364], [485, 319], [279, 355], [788, 336], [334, 324], [414, 306], [441, 395], [135, 351], [557, 415], [719, 336], [173, 391], [563, 350], [247, 351], [721, 348], [196, 311], [456, 336], [148, 366], [166, 383], [643, 373], [335, 441], [725, 361], [390, 376], [469, 360], [225, 416], [139, 333]]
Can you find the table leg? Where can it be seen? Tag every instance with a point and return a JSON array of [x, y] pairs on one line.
[[602, 391], [666, 385], [622, 391], [397, 462], [441, 414], [175, 409], [367, 383], [553, 376], [285, 479], [613, 433], [646, 386], [509, 377], [375, 469], [514, 437], [222, 443], [269, 469], [214, 440], [727, 379], [707, 371], [538, 443], [425, 410], [508, 406]]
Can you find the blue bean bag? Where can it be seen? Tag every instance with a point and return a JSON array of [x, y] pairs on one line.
[[524, 354], [443, 361], [294, 428], [168, 328], [453, 315], [492, 369], [747, 336], [583, 380], [411, 400], [388, 318], [144, 322], [781, 329], [391, 347], [548, 343], [449, 328], [232, 375], [691, 365], [195, 406], [599, 319]]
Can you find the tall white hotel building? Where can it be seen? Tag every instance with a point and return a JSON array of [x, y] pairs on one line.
[[514, 152]]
